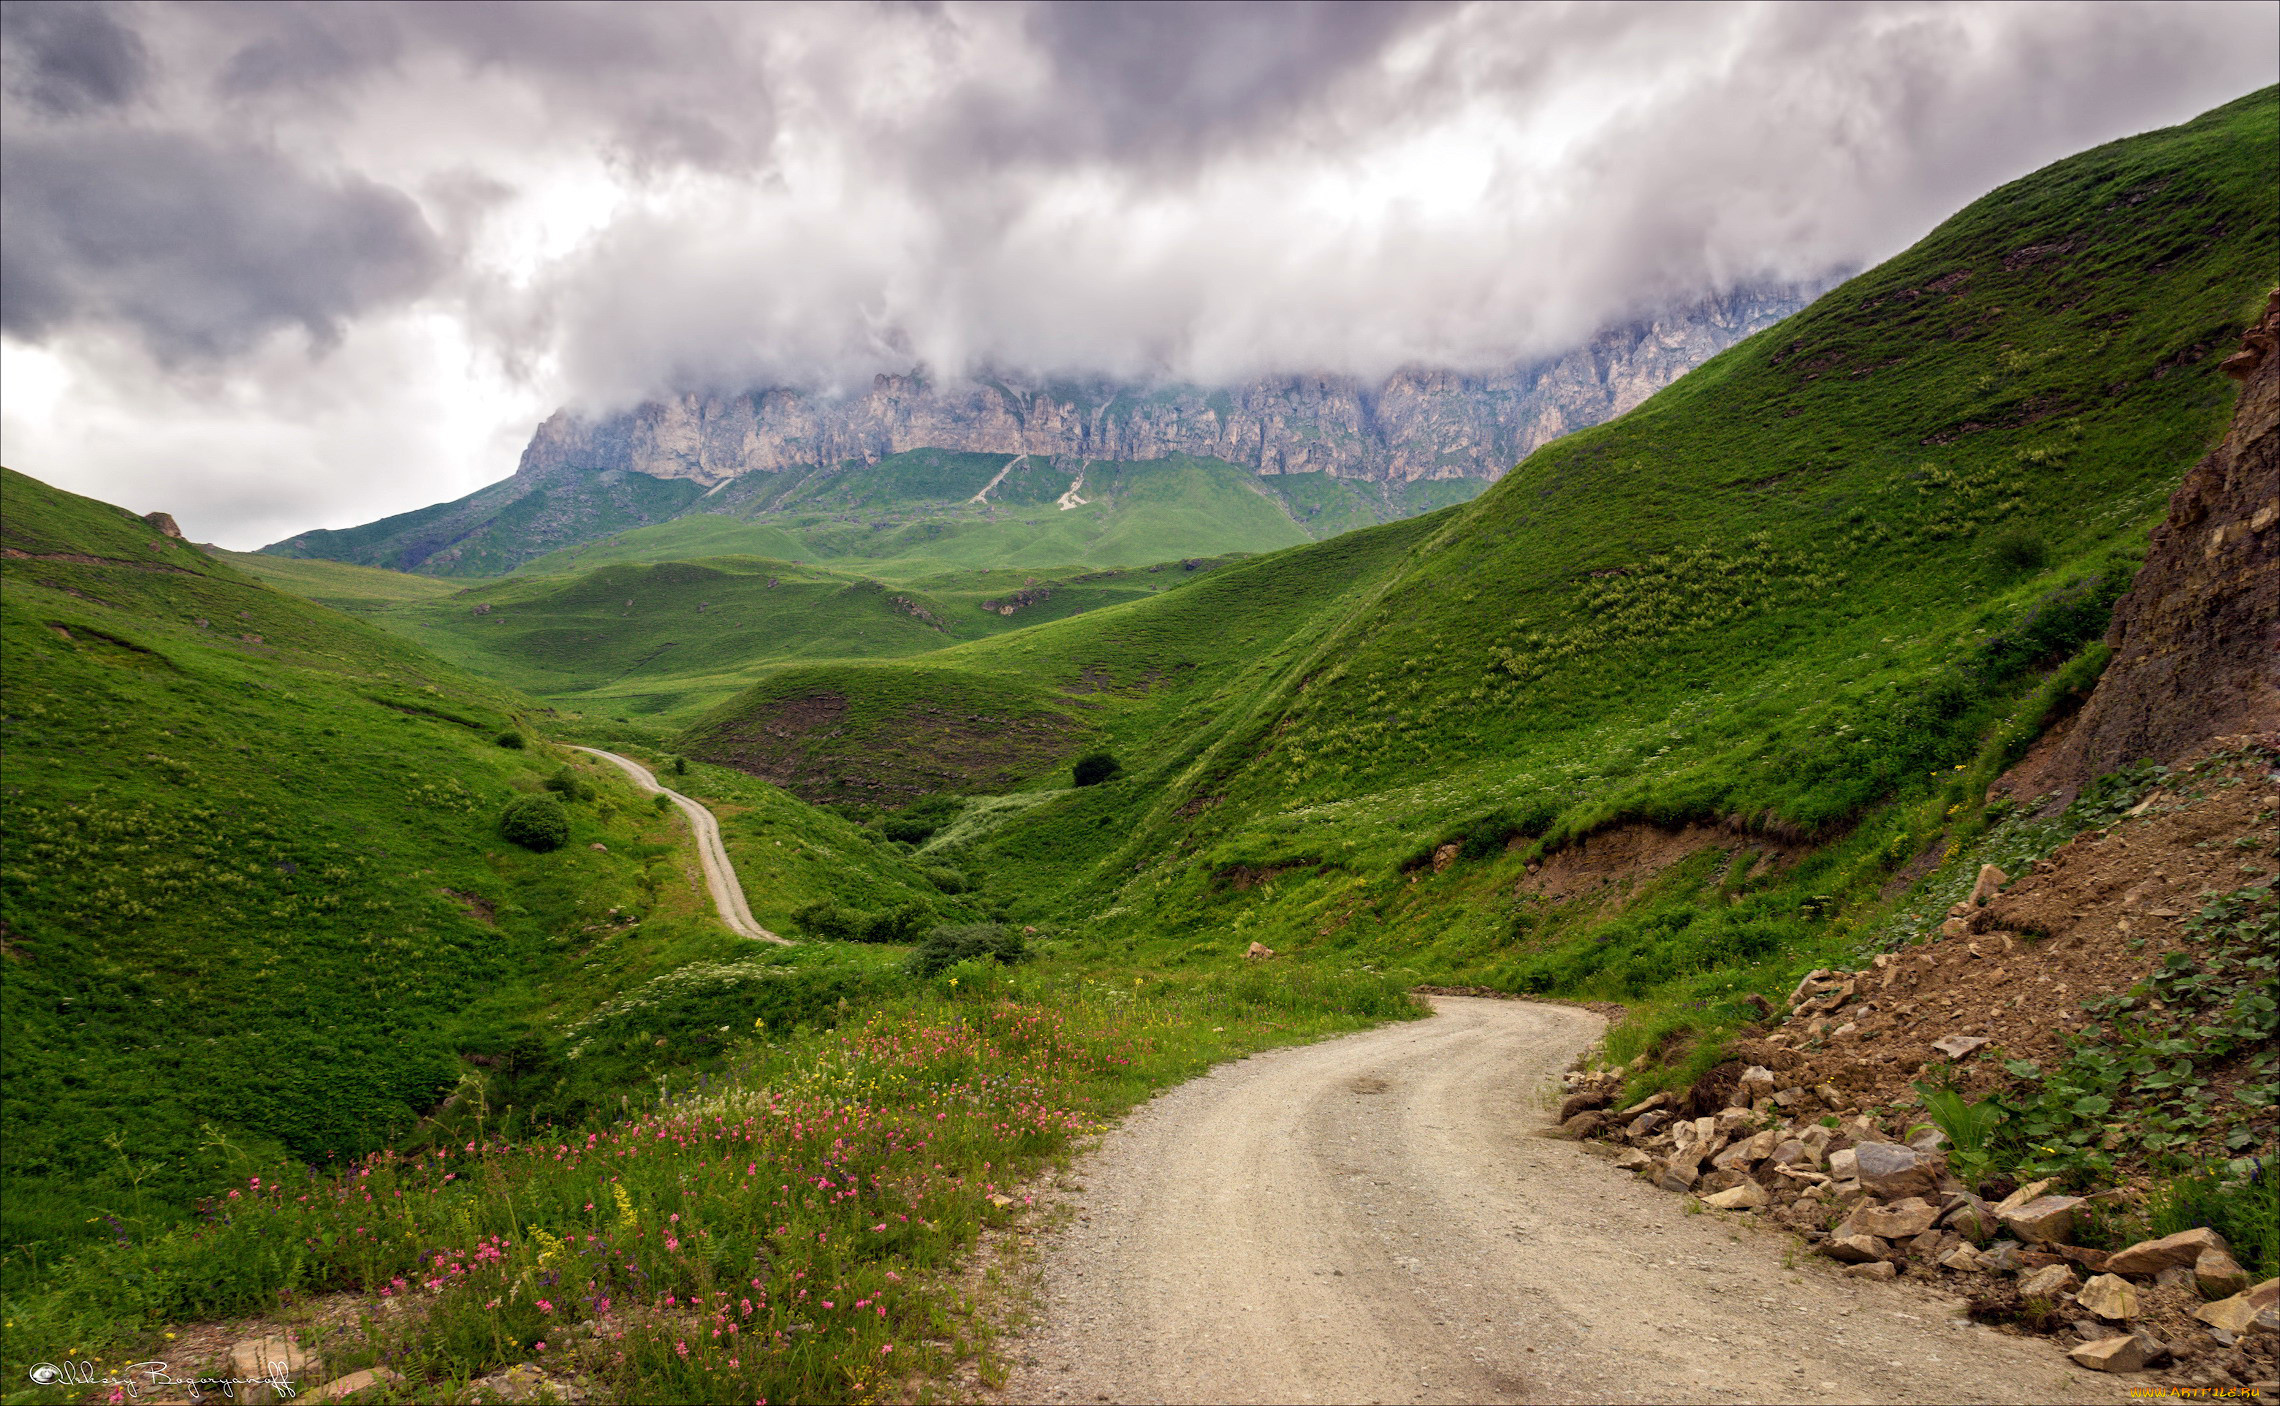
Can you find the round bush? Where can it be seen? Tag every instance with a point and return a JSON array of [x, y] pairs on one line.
[[1093, 769], [535, 822], [512, 740]]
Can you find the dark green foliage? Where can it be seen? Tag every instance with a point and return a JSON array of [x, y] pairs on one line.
[[945, 878], [2244, 1209], [569, 785], [680, 765], [900, 922], [1093, 768], [535, 823], [512, 740], [945, 947], [2019, 549]]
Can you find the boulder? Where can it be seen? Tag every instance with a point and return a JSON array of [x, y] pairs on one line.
[[2240, 1313], [1790, 1152], [2047, 1282], [1963, 1260], [1855, 1248], [1584, 1102], [1757, 1082], [1971, 1218], [1889, 1169], [341, 1388], [1989, 883], [2217, 1274], [1748, 1196], [2154, 1256], [1631, 1160], [1898, 1221], [1674, 1177], [2046, 1220], [2131, 1352], [1873, 1269], [1258, 952], [1845, 1165], [2110, 1297], [2002, 1257], [1929, 1141], [1583, 1125], [1645, 1124], [1747, 1152]]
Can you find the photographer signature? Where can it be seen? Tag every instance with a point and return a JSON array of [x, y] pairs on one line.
[[138, 1376]]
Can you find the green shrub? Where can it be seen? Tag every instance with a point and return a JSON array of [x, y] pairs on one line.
[[945, 947], [901, 923], [905, 829], [512, 740], [2019, 549], [680, 766], [535, 822], [570, 786], [826, 919], [661, 803], [1095, 767], [945, 878]]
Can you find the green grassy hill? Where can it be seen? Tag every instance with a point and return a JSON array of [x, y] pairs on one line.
[[1834, 561], [909, 514], [256, 900]]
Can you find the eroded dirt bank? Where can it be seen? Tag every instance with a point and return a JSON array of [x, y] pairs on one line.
[[1372, 1219]]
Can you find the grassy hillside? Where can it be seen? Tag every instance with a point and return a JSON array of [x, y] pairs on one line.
[[257, 902], [1835, 560]]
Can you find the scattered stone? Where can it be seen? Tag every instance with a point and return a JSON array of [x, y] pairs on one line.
[[1889, 1169], [341, 1388], [1957, 1046], [2002, 1257], [1675, 1177], [1583, 1125], [2110, 1297], [1749, 1150], [2023, 1195], [1748, 1196], [1930, 1141], [1645, 1124], [525, 1382], [1631, 1160], [600, 846], [1874, 1269], [2178, 1276], [2132, 1352], [267, 1363], [2153, 1256], [2237, 1314], [1827, 1093], [1856, 1248], [1584, 1102], [1963, 1260], [1643, 1105], [1989, 883], [1970, 1217], [1845, 1165], [1898, 1221], [1757, 1081], [2047, 1282], [2217, 1274], [1258, 952], [2046, 1220]]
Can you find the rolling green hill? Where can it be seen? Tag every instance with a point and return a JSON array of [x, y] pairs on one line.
[[908, 514], [256, 900], [1835, 561]]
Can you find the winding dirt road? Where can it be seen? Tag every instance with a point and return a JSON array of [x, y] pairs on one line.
[[720, 875], [1371, 1219]]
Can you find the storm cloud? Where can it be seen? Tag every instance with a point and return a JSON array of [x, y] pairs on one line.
[[381, 239]]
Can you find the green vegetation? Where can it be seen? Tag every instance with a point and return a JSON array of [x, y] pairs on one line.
[[536, 822]]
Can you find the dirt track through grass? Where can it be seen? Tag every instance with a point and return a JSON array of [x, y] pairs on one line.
[[1374, 1219], [720, 875]]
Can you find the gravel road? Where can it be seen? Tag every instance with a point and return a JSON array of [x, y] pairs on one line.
[[720, 875], [1371, 1219]]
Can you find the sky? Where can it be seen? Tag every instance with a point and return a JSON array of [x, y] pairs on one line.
[[272, 267]]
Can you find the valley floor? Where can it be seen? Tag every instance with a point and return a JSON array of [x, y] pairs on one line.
[[1375, 1219]]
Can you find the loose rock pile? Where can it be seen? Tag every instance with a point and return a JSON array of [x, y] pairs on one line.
[[1883, 1208]]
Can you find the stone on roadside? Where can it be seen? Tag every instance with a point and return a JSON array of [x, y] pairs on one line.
[[2154, 1256], [1749, 1196], [1650, 1101], [1675, 1177], [2046, 1283], [342, 1388], [1898, 1221], [2046, 1220], [2130, 1352], [1957, 1046], [2239, 1313], [1588, 1101], [1889, 1169], [1582, 1125], [2218, 1275], [1963, 1260], [1855, 1248], [2002, 1257], [1631, 1160], [1873, 1269], [2110, 1297], [1971, 1219]]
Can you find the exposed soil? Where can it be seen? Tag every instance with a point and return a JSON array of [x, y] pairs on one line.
[[1373, 1219], [1614, 861]]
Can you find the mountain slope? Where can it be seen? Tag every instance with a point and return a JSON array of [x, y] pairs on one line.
[[1824, 564], [256, 899]]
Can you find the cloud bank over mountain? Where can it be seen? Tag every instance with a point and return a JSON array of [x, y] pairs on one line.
[[269, 265]]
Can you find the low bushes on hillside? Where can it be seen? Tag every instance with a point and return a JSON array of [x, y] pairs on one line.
[[945, 947], [535, 822], [1094, 768], [570, 786], [900, 922]]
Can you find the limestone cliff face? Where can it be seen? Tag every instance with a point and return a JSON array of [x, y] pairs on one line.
[[1418, 424]]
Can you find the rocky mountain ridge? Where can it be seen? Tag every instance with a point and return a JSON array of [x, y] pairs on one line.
[[1420, 423]]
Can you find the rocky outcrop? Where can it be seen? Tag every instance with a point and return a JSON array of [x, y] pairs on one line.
[[1418, 424], [2196, 640]]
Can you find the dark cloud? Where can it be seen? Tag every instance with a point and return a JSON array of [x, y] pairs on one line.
[[64, 57], [200, 249]]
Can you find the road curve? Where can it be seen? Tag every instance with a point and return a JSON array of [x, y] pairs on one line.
[[1372, 1219], [720, 875]]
